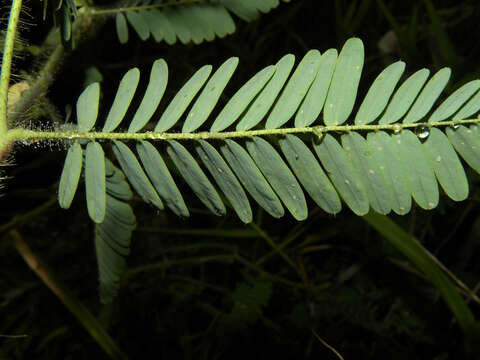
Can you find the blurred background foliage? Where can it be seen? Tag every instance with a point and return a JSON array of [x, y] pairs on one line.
[[213, 288]]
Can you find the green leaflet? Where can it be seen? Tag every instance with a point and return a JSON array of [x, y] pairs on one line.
[[197, 29], [120, 190], [70, 176], [182, 99], [251, 178], [92, 75], [225, 179], [109, 281], [195, 178], [466, 142], [312, 104], [470, 108], [108, 233], [122, 100], [95, 181], [266, 5], [135, 174], [241, 99], [116, 184], [428, 96], [279, 176], [446, 164], [245, 10], [404, 97], [220, 20], [178, 25], [113, 174], [343, 89], [159, 25], [209, 96], [418, 170], [65, 24], [112, 244], [122, 28], [265, 99], [139, 24], [373, 180], [87, 107], [385, 156], [117, 233], [161, 178], [196, 14], [111, 264], [153, 95], [307, 169], [121, 212], [117, 227], [108, 261], [459, 97], [200, 11], [155, 27], [295, 90], [379, 93], [342, 174]]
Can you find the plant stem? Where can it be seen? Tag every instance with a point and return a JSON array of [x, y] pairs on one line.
[[275, 246], [23, 134], [7, 64], [40, 85], [83, 28], [88, 321], [82, 25]]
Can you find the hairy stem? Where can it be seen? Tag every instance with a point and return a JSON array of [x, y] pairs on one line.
[[83, 28], [7, 65], [40, 85], [82, 25], [24, 134]]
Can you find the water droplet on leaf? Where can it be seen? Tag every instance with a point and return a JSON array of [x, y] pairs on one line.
[[423, 132]]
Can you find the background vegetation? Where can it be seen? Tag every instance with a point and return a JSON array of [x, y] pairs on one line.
[[209, 287]]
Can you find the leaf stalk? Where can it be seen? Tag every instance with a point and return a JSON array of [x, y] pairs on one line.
[[24, 134]]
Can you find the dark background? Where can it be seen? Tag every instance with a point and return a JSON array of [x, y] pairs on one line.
[[349, 286]]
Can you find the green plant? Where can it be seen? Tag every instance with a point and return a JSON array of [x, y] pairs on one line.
[[399, 144]]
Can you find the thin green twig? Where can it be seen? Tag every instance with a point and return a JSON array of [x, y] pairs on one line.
[[275, 246], [7, 64]]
